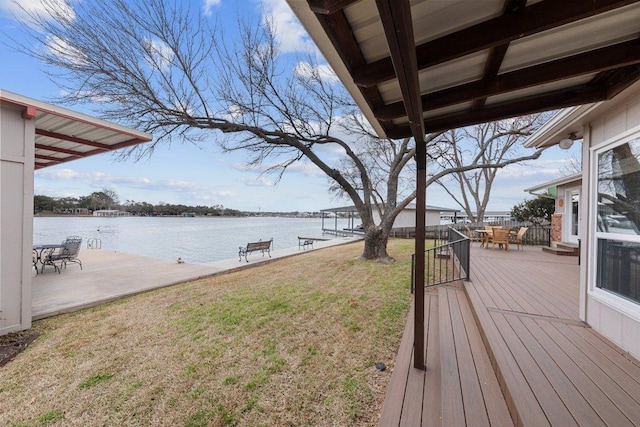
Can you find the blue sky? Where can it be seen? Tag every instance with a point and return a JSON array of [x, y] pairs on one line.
[[202, 175]]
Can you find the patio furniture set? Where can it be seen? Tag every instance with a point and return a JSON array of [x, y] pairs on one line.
[[57, 255], [497, 235]]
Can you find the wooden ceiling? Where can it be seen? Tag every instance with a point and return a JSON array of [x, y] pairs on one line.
[[421, 66]]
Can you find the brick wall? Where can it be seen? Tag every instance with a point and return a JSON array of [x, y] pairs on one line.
[[556, 227]]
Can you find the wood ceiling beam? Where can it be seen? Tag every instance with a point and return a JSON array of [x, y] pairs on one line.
[[497, 53], [398, 29], [607, 58], [529, 20], [327, 7], [337, 28], [615, 82], [102, 147]]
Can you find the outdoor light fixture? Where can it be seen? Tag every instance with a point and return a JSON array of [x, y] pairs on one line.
[[566, 143]]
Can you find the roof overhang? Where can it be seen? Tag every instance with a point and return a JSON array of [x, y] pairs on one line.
[[565, 180], [571, 122], [425, 66], [62, 135]]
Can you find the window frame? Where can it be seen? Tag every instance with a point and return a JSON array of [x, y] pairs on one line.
[[618, 302]]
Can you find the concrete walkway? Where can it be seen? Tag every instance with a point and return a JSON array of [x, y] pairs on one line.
[[109, 275]]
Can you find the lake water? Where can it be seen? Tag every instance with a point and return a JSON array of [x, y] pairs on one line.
[[196, 240]]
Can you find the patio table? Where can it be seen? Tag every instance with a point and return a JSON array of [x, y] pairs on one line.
[[39, 250]]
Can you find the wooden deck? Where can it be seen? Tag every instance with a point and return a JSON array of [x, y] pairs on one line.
[[508, 348]]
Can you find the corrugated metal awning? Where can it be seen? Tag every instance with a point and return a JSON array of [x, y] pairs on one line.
[[63, 135]]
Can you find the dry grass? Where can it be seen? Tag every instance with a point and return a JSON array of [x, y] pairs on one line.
[[290, 343]]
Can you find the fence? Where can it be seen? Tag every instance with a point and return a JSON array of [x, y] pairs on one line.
[[537, 235]]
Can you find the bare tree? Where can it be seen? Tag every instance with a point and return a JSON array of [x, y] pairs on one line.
[[488, 147], [164, 68]]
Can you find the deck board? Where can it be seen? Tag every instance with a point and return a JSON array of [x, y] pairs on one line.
[[432, 399]]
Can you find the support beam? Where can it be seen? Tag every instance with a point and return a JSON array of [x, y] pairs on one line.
[[606, 58], [70, 138], [327, 7], [530, 20], [398, 28]]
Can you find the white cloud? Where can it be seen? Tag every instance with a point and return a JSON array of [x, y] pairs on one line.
[[159, 54], [21, 9], [300, 168], [57, 174], [96, 181], [291, 34], [260, 181], [323, 71], [61, 48], [209, 5]]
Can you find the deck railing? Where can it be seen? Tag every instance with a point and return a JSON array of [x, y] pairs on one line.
[[537, 235], [446, 262]]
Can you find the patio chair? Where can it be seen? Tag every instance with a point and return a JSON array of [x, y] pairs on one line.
[[475, 237], [68, 252], [501, 237], [517, 239]]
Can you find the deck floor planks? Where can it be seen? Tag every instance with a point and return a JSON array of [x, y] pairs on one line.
[[536, 273], [432, 400], [412, 407], [494, 400], [395, 396], [452, 402], [617, 366], [579, 408], [589, 367], [556, 413], [527, 291], [483, 401], [521, 400]]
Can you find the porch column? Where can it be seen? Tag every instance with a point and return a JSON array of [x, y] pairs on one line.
[[421, 186]]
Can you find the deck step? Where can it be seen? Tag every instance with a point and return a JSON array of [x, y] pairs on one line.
[[561, 251], [471, 394]]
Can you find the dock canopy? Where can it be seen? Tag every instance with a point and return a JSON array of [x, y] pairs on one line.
[[62, 135]]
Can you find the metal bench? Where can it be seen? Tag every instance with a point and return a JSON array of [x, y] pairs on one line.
[[259, 246]]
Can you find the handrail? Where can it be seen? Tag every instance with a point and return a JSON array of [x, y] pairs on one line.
[[445, 263], [94, 243]]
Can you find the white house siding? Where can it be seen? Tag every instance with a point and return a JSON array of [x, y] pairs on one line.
[[16, 220], [407, 218], [616, 319]]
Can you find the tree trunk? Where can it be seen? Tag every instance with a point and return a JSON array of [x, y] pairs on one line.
[[375, 244]]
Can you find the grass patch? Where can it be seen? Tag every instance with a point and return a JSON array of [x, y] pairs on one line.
[[94, 380], [293, 342]]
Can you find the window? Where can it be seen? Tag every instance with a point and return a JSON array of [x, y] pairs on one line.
[[618, 220]]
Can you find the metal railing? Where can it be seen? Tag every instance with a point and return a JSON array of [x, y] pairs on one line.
[[445, 262]]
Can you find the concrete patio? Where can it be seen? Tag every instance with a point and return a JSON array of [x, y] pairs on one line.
[[109, 275]]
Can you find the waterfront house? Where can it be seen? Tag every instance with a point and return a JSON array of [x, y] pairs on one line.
[[110, 213], [35, 135], [566, 219], [405, 221]]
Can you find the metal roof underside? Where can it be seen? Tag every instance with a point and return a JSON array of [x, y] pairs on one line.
[[63, 135], [429, 65]]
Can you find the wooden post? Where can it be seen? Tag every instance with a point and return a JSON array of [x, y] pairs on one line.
[[421, 184]]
